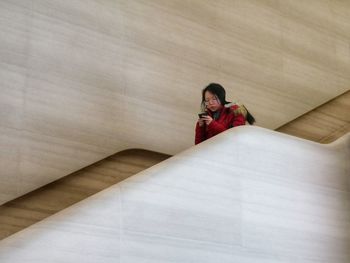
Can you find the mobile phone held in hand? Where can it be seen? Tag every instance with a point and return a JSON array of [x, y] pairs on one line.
[[202, 114]]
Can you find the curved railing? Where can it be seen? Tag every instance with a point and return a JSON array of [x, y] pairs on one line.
[[247, 195]]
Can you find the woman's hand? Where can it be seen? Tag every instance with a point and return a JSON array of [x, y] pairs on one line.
[[200, 122], [207, 119]]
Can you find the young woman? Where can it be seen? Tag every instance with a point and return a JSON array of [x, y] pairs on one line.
[[217, 114]]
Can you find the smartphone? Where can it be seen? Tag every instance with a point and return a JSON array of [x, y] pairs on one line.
[[202, 114]]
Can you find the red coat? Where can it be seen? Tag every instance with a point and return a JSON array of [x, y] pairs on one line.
[[229, 117]]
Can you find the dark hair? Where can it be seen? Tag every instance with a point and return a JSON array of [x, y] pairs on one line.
[[219, 91], [250, 118]]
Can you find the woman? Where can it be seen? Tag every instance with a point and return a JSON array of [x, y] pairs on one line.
[[218, 114]]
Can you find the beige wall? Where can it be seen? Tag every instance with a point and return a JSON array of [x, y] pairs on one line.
[[81, 80]]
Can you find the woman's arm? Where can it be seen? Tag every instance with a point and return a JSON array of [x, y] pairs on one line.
[[238, 120], [200, 134], [215, 127], [239, 114]]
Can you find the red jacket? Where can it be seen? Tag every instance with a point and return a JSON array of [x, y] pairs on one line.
[[229, 117]]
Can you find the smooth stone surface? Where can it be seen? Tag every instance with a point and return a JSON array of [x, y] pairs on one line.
[[247, 195]]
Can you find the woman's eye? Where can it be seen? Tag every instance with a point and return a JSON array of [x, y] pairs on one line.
[[213, 99]]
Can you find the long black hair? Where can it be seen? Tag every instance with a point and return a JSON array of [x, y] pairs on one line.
[[219, 92]]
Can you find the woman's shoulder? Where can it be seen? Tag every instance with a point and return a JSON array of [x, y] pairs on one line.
[[236, 108]]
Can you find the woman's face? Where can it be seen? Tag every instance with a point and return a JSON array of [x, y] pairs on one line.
[[211, 101]]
